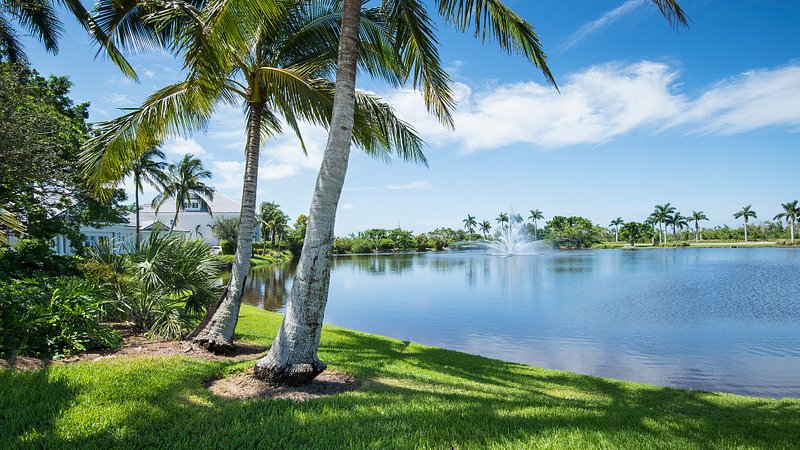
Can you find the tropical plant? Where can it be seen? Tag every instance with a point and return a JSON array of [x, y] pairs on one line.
[[791, 214], [163, 286], [677, 221], [634, 231], [8, 222], [572, 232], [148, 168], [226, 228], [745, 213], [470, 224], [293, 355], [696, 217], [485, 227], [273, 222], [185, 185], [502, 220], [616, 223], [276, 65], [660, 215], [535, 217]]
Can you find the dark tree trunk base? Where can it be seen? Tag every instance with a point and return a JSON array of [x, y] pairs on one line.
[[289, 374], [215, 346]]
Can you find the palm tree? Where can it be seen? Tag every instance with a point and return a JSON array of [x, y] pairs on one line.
[[791, 213], [293, 355], [269, 217], [696, 217], [660, 215], [39, 19], [502, 220], [185, 185], [149, 168], [616, 223], [677, 221], [275, 65], [486, 227], [535, 217], [469, 224], [745, 213]]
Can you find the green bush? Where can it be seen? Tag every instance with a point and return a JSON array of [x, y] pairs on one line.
[[361, 245], [228, 247], [34, 257], [51, 317]]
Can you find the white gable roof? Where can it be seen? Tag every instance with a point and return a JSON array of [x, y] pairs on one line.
[[220, 204]]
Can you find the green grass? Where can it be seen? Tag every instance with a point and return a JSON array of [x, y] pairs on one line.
[[258, 260], [413, 397]]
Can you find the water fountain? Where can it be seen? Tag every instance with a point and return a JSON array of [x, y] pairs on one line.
[[513, 240]]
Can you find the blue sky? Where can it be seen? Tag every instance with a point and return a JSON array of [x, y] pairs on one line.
[[707, 118]]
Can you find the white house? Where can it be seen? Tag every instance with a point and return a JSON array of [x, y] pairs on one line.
[[194, 220]]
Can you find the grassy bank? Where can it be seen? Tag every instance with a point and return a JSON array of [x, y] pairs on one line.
[[699, 244], [268, 259], [413, 396]]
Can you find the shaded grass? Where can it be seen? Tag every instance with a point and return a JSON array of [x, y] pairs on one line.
[[413, 396], [258, 260]]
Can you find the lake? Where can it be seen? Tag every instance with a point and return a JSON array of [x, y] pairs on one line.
[[710, 319]]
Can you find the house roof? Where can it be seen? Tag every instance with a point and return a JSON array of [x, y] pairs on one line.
[[220, 204]]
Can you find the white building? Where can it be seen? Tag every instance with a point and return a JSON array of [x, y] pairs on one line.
[[195, 220]]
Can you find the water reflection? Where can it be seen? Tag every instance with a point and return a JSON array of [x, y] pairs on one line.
[[714, 319]]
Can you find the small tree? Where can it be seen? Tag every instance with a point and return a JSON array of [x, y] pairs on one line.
[[616, 223], [745, 213]]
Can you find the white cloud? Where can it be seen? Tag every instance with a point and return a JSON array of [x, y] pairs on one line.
[[118, 99], [421, 184], [180, 146], [598, 24], [277, 171], [347, 206], [228, 175], [603, 102]]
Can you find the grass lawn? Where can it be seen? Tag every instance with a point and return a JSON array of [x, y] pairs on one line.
[[413, 396]]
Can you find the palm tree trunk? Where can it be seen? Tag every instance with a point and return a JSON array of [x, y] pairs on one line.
[[136, 184], [292, 359], [216, 332], [696, 231], [791, 227], [745, 230]]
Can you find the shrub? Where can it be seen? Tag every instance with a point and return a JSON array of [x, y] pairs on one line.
[[52, 317], [361, 245], [32, 257], [342, 246], [228, 247]]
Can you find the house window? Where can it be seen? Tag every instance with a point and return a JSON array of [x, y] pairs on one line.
[[195, 205]]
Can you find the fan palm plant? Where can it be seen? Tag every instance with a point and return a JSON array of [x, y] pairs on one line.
[[616, 223], [277, 67], [696, 217], [293, 356], [791, 214], [469, 224], [745, 213], [535, 217], [185, 185], [148, 168]]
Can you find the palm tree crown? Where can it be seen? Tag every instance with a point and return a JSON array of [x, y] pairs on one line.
[[747, 213], [791, 213], [470, 223], [696, 217], [185, 185], [149, 168]]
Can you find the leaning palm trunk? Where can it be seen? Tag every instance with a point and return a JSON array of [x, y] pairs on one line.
[[216, 332], [292, 359]]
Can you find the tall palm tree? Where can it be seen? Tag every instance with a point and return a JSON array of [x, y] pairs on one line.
[[293, 356], [486, 227], [660, 215], [270, 215], [502, 220], [535, 217], [616, 223], [148, 168], [469, 224], [653, 221], [696, 217], [276, 66], [185, 184], [677, 221], [746, 213], [791, 213]]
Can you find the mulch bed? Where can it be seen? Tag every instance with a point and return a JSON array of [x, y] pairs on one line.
[[243, 386]]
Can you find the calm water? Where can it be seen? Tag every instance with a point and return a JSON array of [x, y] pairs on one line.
[[711, 319]]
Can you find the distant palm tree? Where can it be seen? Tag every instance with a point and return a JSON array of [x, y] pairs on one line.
[[791, 213], [536, 216], [516, 218], [616, 223], [660, 215], [696, 217], [185, 184], [485, 226], [677, 221], [502, 220], [745, 213], [653, 222], [469, 224], [149, 168]]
